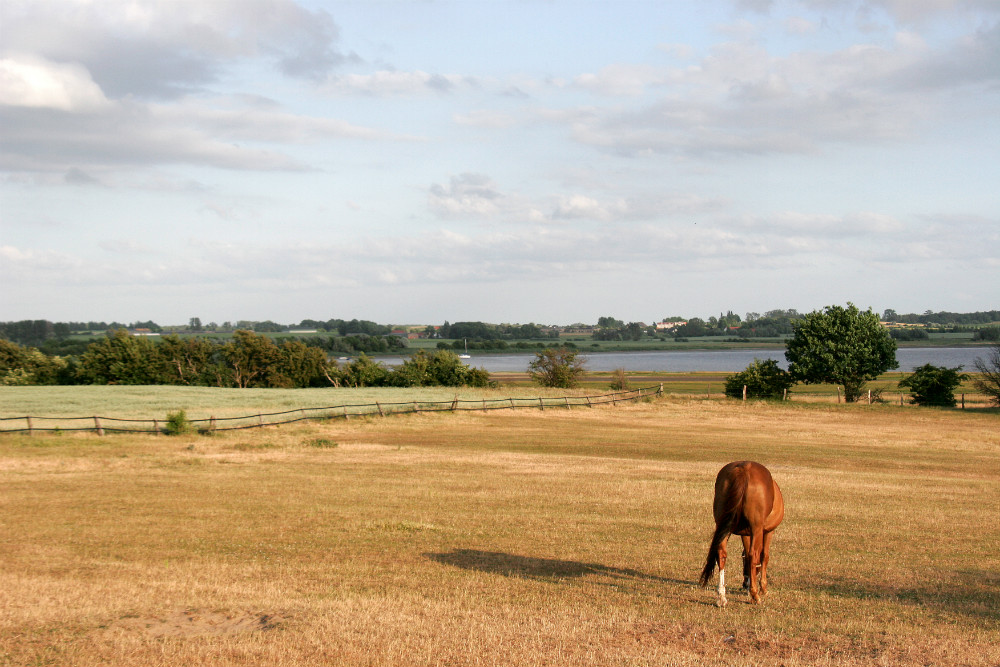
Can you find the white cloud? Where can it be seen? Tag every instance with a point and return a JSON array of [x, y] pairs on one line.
[[387, 83], [742, 99], [28, 81], [477, 197], [473, 196], [796, 25], [137, 134], [163, 49], [486, 118], [624, 80]]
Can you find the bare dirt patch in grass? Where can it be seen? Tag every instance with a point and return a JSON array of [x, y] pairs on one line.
[[191, 622]]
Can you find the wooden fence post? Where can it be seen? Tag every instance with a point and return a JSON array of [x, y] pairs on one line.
[[838, 394], [541, 405], [211, 424], [963, 401], [744, 392], [31, 430], [380, 413], [156, 427], [97, 426], [869, 397]]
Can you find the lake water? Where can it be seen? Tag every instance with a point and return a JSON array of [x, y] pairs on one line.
[[727, 361]]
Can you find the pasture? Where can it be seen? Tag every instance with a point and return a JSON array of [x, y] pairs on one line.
[[551, 537]]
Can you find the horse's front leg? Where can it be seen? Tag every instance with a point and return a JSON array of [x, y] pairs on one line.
[[746, 562], [721, 601]]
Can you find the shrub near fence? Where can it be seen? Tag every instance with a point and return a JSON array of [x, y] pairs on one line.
[[102, 425]]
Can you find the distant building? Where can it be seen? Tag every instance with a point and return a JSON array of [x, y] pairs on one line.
[[668, 326]]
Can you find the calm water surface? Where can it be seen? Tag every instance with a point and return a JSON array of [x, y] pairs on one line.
[[727, 361]]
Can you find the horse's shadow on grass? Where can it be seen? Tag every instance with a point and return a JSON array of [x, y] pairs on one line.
[[973, 593], [542, 569]]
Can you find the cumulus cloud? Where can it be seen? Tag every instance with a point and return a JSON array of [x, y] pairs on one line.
[[166, 49], [743, 99], [33, 82]]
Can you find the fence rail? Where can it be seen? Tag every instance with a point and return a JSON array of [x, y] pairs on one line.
[[102, 425]]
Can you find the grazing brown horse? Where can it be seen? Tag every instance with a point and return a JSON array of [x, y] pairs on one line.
[[747, 503]]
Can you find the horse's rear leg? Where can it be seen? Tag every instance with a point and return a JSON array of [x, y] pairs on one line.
[[765, 557], [746, 562], [721, 601], [756, 546]]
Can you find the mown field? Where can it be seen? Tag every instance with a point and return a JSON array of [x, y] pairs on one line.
[[549, 537]]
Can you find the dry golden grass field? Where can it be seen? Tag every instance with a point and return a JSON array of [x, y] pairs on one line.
[[556, 537]]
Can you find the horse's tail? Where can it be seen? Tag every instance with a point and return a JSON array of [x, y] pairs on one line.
[[735, 495]]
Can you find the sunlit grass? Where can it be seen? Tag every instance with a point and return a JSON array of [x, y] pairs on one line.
[[509, 537]]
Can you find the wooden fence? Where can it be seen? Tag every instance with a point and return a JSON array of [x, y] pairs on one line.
[[102, 425]]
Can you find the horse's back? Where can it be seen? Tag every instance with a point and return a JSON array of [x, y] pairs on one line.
[[762, 502]]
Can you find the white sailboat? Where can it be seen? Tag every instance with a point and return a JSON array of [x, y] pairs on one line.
[[466, 355]]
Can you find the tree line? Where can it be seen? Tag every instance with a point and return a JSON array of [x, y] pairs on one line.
[[850, 347], [246, 360]]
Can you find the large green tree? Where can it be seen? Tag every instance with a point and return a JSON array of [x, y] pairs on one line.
[[843, 346]]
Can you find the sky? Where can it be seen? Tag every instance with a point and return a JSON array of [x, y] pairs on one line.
[[504, 161]]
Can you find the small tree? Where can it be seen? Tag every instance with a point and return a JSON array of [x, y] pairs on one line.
[[842, 346], [933, 385], [988, 381], [556, 367], [763, 378]]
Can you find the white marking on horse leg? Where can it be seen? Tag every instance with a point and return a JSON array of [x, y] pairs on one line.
[[722, 588]]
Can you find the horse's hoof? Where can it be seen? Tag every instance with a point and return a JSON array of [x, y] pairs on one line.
[[720, 603]]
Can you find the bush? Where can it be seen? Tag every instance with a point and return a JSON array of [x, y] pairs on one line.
[[933, 385], [763, 378], [177, 423], [619, 381]]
